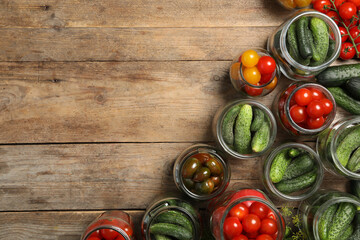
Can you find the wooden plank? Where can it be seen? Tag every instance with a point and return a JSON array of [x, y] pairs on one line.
[[114, 101], [100, 176], [138, 13]]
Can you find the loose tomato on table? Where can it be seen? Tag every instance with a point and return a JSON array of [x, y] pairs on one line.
[[344, 34], [347, 10], [355, 34], [347, 51], [356, 2], [338, 3], [334, 16], [323, 6]]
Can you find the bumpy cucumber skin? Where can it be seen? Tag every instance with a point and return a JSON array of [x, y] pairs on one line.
[[321, 39], [348, 145], [293, 152], [189, 208], [331, 48], [354, 162], [352, 86], [304, 44], [356, 234], [298, 167], [345, 101], [258, 121], [297, 184], [161, 237], [326, 221], [278, 166], [316, 55], [242, 134], [228, 125], [261, 138], [292, 46], [337, 75], [343, 217], [175, 217], [347, 233], [172, 230]]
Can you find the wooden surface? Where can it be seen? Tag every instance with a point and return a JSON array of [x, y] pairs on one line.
[[98, 98]]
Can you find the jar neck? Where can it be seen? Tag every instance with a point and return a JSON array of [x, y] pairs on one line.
[[112, 227]]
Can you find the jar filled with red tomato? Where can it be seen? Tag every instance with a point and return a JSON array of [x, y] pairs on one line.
[[254, 72], [112, 225], [245, 214], [171, 217], [201, 172], [305, 109]]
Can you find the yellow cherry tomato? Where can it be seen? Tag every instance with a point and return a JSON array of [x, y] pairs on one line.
[[290, 4], [252, 75], [273, 84], [235, 71], [250, 58], [302, 3]]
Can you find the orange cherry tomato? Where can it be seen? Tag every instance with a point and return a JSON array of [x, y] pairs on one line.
[[272, 85], [252, 75], [250, 58]]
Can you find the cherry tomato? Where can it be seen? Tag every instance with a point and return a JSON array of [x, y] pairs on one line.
[[251, 223], [259, 209], [252, 235], [338, 3], [272, 85], [322, 5], [266, 65], [298, 114], [264, 237], [265, 78], [93, 238], [252, 75], [334, 16], [109, 234], [328, 106], [250, 58], [347, 51], [251, 91], [96, 234], [316, 94], [232, 227], [347, 10], [315, 109], [314, 123], [247, 193], [351, 22], [356, 2], [303, 97], [202, 157], [268, 226], [302, 3], [239, 211], [240, 237], [355, 34], [344, 34]]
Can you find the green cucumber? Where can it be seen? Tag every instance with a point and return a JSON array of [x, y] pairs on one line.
[[278, 166], [189, 208], [354, 162], [356, 234], [347, 233], [321, 40], [297, 184], [261, 138], [337, 75], [228, 125], [298, 167], [302, 25], [242, 134], [310, 36], [343, 217], [292, 45], [161, 237], [352, 86], [171, 230], [326, 221], [294, 152], [345, 101], [348, 145], [175, 217], [355, 188], [331, 49], [258, 120]]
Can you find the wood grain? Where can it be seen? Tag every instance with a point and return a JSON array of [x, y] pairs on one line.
[[138, 13]]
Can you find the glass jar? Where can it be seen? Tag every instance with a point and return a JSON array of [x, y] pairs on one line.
[[113, 224], [328, 142], [221, 208], [289, 67], [311, 210], [218, 131], [294, 4], [174, 211], [266, 84], [301, 149], [201, 172], [284, 101]]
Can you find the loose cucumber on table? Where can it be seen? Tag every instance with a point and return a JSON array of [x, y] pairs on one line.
[[335, 76], [344, 100], [352, 86]]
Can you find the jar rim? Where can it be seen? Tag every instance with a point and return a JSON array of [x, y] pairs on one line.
[[117, 229]]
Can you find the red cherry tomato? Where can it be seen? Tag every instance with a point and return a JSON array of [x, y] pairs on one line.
[[264, 237], [328, 106], [93, 238], [265, 78], [351, 22], [334, 16], [298, 113], [96, 234], [232, 227], [338, 3], [268, 226], [247, 193], [314, 123], [109, 234], [239, 211], [355, 34], [344, 35], [322, 5], [356, 2], [251, 223], [252, 235], [315, 109], [303, 97], [266, 65], [251, 91], [347, 10], [347, 51], [240, 237], [316, 94], [259, 209]]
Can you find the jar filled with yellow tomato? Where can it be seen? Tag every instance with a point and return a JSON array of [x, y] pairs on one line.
[[295, 4]]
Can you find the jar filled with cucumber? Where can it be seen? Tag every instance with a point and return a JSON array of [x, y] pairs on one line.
[[171, 218], [201, 172], [339, 148], [305, 45], [244, 128], [292, 172], [330, 215]]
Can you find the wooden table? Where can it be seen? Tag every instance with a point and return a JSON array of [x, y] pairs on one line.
[[97, 99]]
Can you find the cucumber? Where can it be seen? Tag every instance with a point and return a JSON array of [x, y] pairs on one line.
[[161, 237], [331, 48], [326, 221], [302, 25], [298, 167], [171, 230], [258, 120], [347, 233], [297, 184], [309, 35], [242, 134], [343, 217], [175, 217], [354, 162], [189, 208], [278, 166], [337, 75], [343, 100], [261, 138], [292, 46], [293, 152], [320, 33], [355, 188], [352, 86], [348, 145], [356, 234], [228, 125]]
